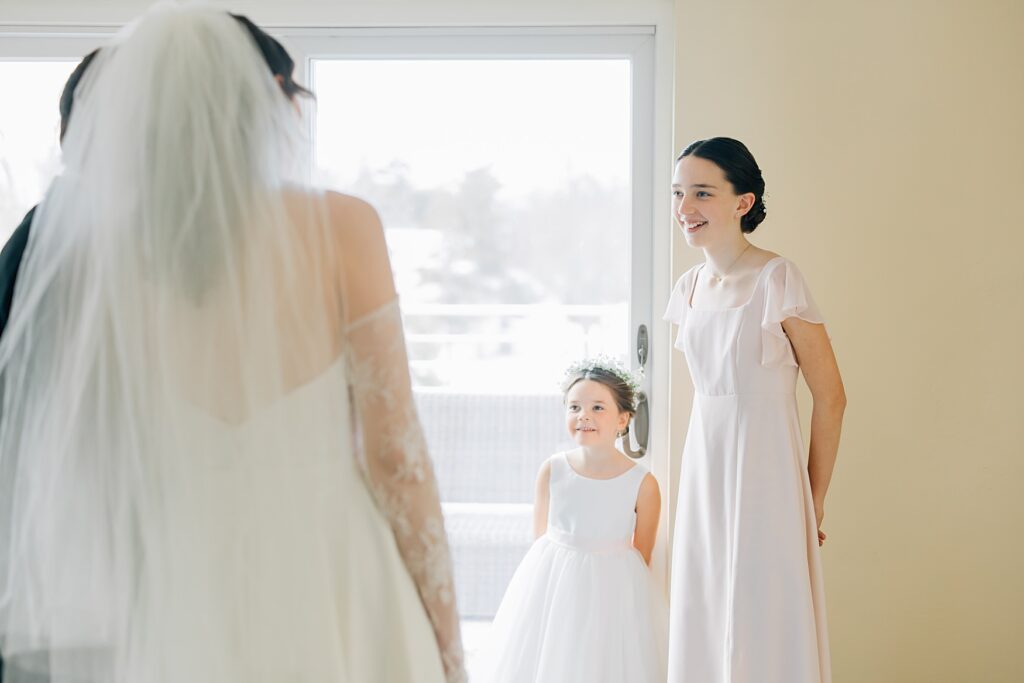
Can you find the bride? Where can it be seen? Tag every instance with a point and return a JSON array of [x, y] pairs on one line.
[[211, 467]]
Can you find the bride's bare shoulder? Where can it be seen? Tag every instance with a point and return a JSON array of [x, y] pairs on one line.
[[358, 238], [347, 205], [353, 219], [338, 206], [348, 221]]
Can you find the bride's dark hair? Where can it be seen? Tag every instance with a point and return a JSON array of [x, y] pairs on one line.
[[277, 58], [67, 96]]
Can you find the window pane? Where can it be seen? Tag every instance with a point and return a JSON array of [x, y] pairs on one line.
[[504, 186], [29, 132]]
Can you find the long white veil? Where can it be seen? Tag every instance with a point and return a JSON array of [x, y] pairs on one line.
[[173, 285]]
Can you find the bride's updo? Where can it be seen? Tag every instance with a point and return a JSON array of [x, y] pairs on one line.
[[277, 58]]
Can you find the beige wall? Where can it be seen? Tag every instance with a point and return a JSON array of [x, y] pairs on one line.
[[890, 135]]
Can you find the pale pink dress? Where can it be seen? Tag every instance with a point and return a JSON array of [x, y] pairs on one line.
[[747, 597]]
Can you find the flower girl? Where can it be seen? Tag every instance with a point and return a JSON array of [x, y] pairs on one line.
[[583, 606]]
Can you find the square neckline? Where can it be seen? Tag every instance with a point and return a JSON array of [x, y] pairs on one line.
[[757, 283]]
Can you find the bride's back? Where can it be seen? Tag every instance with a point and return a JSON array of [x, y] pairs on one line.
[[279, 323]]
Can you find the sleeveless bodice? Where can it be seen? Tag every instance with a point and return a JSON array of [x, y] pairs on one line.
[[592, 514]]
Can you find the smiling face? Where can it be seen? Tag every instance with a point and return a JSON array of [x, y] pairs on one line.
[[705, 204], [591, 414]]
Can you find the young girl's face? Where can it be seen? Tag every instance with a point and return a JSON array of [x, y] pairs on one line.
[[704, 202], [591, 414]]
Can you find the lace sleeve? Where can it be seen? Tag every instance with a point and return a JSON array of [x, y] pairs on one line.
[[399, 471]]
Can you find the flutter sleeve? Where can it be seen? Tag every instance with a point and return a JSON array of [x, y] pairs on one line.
[[399, 470], [786, 296], [679, 303], [678, 300]]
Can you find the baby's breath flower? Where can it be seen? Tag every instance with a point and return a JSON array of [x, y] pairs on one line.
[[607, 364]]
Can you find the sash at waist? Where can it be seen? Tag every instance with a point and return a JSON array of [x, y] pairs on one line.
[[590, 545]]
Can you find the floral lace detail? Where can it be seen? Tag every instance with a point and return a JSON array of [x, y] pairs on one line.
[[399, 473]]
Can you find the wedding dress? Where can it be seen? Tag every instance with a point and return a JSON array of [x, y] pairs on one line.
[[210, 470]]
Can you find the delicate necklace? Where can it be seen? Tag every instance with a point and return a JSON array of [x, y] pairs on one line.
[[715, 279]]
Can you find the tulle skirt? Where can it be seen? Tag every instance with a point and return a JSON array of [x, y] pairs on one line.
[[574, 615]]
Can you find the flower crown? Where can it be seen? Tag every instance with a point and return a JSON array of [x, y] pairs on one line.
[[612, 366]]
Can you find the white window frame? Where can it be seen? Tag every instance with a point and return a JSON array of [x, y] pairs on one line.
[[49, 44]]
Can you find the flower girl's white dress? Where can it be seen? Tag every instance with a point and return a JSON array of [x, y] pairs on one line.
[[582, 606]]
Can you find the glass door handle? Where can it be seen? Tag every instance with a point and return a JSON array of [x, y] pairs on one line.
[[642, 419], [641, 346], [641, 425]]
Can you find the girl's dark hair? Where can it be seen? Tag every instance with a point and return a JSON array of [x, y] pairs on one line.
[[622, 392], [277, 58], [740, 169]]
